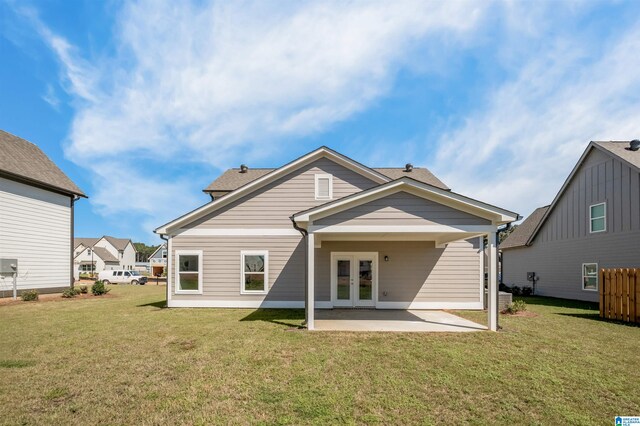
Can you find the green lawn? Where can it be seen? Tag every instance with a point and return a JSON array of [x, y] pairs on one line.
[[125, 360]]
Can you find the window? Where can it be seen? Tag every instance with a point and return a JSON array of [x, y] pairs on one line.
[[119, 273], [598, 217], [324, 187], [590, 276], [189, 271], [255, 272], [89, 252], [164, 254]]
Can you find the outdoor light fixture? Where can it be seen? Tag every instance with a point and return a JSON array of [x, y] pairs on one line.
[[386, 258]]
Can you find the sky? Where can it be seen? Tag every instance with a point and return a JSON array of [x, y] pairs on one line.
[[144, 103]]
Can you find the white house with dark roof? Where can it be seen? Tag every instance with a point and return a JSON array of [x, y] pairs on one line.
[[158, 260], [592, 223], [36, 219], [105, 253], [325, 231]]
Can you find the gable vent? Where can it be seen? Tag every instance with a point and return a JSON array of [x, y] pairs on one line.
[[634, 145]]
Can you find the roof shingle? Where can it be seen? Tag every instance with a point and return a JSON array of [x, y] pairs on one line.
[[23, 159], [520, 235], [232, 179]]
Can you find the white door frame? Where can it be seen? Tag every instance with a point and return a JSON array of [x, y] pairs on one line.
[[355, 257]]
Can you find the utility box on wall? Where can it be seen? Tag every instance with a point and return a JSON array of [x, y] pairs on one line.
[[8, 266]]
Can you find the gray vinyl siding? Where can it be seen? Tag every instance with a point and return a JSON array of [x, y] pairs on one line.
[[402, 208], [35, 228], [221, 264], [564, 242], [416, 270], [272, 205]]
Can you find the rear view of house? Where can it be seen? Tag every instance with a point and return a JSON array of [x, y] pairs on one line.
[[36, 219], [593, 223], [325, 231]]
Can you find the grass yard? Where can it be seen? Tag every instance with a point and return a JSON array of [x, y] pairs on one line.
[[125, 360]]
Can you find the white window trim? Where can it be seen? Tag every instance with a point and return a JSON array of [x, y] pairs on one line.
[[177, 255], [264, 253], [319, 176], [597, 277], [591, 218]]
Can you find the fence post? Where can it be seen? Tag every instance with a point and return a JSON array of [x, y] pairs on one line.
[[632, 294], [625, 294], [611, 283], [602, 287]]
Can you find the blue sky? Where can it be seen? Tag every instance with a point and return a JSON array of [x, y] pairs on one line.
[[144, 103]]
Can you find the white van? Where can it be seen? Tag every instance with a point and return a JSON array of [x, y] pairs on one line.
[[121, 276]]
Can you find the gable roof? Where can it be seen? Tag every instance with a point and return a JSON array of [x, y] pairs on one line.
[[322, 152], [473, 206], [118, 243], [104, 254], [87, 242], [520, 235], [617, 149], [161, 246], [233, 179], [23, 160]]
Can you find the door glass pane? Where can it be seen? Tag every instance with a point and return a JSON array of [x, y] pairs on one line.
[[365, 287], [344, 278]]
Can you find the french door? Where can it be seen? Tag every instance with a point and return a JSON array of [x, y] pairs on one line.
[[354, 281]]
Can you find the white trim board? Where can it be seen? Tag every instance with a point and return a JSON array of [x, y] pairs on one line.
[[245, 304], [238, 232]]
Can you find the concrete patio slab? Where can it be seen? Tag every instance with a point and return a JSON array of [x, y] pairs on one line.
[[392, 320]]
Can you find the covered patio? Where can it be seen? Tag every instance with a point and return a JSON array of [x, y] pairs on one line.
[[392, 320], [356, 229]]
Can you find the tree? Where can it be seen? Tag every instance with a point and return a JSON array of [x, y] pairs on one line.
[[144, 251], [502, 235]]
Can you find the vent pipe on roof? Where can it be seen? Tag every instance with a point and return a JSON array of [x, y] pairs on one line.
[[243, 168], [634, 145], [408, 167]]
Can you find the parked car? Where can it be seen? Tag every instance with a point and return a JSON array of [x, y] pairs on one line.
[[122, 277]]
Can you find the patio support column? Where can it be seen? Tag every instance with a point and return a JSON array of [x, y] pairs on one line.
[[310, 304], [492, 305]]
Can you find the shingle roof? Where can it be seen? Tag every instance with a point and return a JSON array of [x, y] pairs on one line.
[[232, 179], [522, 233], [621, 149], [104, 254], [87, 242], [23, 159], [118, 243]]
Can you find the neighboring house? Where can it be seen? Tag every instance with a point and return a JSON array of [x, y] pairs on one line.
[[593, 223], [36, 218], [158, 261], [105, 253], [325, 231]]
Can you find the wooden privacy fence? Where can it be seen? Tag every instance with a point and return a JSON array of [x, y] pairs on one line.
[[620, 294]]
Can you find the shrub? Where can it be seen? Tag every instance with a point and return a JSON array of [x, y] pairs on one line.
[[29, 295], [516, 291], [516, 306], [69, 293], [83, 289], [98, 289], [527, 291], [503, 287]]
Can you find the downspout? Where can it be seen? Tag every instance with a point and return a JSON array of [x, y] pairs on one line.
[[162, 236], [306, 268], [74, 198]]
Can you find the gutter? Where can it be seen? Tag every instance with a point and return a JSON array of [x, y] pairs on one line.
[[304, 234], [163, 237]]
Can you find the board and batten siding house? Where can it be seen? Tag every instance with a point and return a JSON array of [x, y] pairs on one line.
[[36, 218], [325, 231], [593, 223]]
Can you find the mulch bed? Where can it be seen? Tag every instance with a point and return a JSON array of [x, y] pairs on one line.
[[53, 297]]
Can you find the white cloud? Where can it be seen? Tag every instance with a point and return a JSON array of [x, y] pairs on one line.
[[51, 98], [204, 82], [520, 148]]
